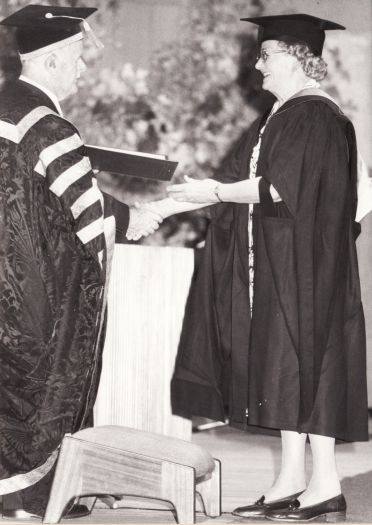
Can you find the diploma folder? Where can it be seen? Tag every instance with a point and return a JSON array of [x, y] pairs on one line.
[[131, 163]]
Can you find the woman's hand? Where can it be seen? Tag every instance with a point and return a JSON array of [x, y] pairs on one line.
[[194, 190]]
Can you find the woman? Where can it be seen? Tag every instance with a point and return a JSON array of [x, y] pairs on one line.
[[274, 326]]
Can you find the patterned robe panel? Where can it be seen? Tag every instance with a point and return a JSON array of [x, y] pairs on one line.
[[53, 264]]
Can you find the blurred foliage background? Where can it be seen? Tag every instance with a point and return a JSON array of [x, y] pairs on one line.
[[191, 103]]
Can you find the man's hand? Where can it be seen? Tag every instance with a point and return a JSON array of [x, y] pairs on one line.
[[194, 190], [142, 222]]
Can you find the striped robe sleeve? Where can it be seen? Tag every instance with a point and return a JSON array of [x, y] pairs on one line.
[[69, 176]]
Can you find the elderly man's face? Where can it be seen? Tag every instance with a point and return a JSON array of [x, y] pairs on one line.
[[68, 67]]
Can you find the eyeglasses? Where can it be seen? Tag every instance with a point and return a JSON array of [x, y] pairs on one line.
[[264, 55]]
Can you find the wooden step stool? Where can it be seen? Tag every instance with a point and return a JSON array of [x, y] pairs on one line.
[[115, 460]]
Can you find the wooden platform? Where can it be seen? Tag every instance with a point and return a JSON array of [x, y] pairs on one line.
[[249, 464]]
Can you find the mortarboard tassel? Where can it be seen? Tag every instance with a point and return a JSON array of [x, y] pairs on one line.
[[85, 27], [91, 35]]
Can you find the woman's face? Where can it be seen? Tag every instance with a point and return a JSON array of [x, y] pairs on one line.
[[279, 69]]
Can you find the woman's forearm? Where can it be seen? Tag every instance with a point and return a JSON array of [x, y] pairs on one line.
[[210, 191], [245, 191]]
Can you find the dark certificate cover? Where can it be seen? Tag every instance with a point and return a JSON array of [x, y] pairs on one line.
[[131, 163]]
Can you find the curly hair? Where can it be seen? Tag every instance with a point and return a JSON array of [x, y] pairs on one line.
[[314, 66]]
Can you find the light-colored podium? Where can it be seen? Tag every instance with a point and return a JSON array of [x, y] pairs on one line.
[[147, 294]]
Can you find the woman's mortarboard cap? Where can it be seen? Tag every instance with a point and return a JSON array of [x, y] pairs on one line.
[[301, 28], [41, 28]]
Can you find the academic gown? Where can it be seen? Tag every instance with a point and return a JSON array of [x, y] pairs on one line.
[[57, 235], [298, 362]]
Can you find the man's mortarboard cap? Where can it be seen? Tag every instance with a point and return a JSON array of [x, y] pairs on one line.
[[42, 28], [301, 28]]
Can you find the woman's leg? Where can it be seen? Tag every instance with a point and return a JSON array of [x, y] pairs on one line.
[[324, 483], [291, 478]]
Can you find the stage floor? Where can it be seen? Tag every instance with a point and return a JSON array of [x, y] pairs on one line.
[[249, 465]]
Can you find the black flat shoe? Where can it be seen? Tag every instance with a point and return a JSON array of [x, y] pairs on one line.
[[76, 511], [259, 508], [332, 510]]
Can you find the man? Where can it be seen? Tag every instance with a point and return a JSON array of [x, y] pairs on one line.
[[57, 235]]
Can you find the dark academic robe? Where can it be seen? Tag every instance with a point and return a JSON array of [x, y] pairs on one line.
[[298, 363], [57, 234]]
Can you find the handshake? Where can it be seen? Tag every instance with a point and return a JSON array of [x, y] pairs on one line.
[[143, 221], [145, 218]]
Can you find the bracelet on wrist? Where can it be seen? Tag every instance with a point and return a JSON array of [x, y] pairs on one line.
[[216, 192]]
